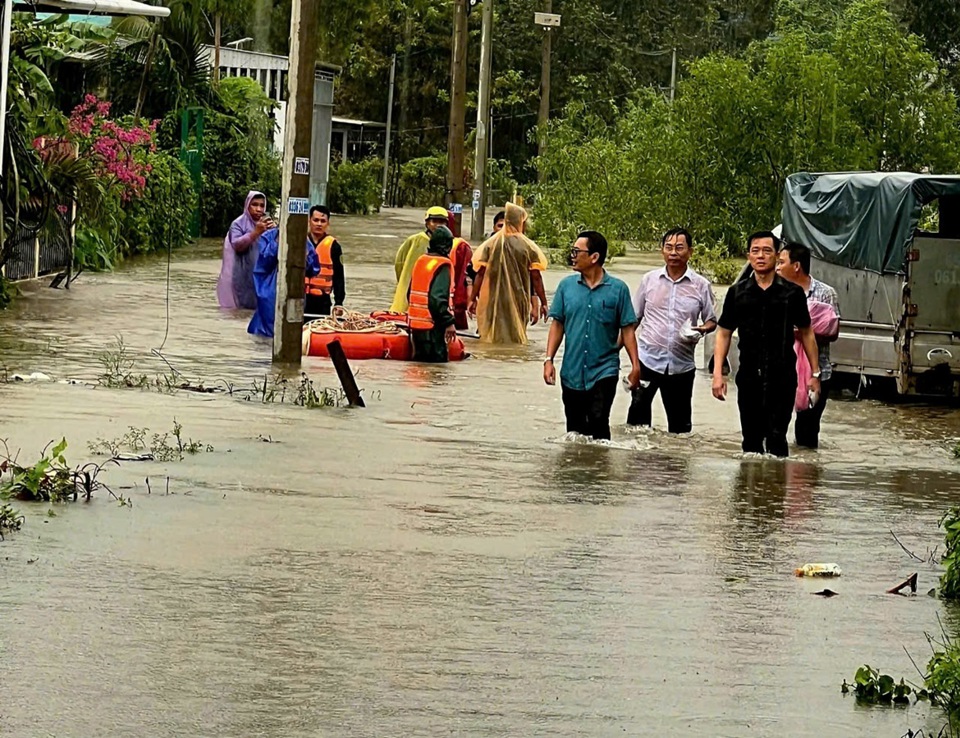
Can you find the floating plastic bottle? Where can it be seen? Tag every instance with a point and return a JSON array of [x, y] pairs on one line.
[[818, 570]]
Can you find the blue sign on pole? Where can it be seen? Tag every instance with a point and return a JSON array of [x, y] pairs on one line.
[[456, 208], [298, 206]]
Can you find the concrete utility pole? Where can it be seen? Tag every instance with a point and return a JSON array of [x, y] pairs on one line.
[[295, 203], [386, 146], [483, 124], [458, 104], [543, 118]]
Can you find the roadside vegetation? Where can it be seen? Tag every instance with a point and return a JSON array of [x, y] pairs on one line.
[[50, 479], [843, 89], [94, 137]]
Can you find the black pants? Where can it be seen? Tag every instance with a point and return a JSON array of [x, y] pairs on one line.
[[807, 425], [676, 390], [766, 406], [317, 304], [588, 412]]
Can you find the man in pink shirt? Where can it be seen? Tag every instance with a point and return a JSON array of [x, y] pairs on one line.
[[674, 305]]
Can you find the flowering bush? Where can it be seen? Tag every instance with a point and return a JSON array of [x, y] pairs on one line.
[[118, 149], [148, 196]]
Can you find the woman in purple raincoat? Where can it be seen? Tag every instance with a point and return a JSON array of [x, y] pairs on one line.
[[235, 286]]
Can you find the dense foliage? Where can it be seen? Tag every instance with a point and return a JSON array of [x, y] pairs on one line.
[[355, 187], [39, 180], [132, 193], [603, 52], [766, 87], [238, 154], [861, 94]]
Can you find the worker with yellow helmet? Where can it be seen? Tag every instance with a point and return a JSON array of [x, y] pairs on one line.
[[411, 250]]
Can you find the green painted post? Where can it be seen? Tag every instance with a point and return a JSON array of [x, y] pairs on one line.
[[191, 155]]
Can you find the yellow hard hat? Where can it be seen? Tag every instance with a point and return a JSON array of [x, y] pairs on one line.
[[436, 212]]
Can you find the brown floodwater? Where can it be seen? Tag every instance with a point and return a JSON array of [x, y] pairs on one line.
[[445, 561]]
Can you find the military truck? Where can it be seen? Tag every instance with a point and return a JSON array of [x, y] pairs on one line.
[[898, 286]]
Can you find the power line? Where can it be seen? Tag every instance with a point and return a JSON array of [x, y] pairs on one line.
[[513, 116]]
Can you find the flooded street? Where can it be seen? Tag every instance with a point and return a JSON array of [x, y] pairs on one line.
[[445, 561]]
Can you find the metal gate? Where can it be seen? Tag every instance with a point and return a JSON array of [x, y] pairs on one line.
[[33, 255]]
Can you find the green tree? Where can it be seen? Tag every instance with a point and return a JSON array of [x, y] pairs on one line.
[[160, 65], [938, 24], [902, 113], [860, 95]]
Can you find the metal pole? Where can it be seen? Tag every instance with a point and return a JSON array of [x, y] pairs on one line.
[[216, 50], [297, 140], [386, 148], [544, 115], [483, 122], [673, 75]]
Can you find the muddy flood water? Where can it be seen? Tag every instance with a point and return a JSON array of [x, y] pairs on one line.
[[445, 561]]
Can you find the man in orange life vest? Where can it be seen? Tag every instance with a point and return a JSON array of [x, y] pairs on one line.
[[429, 316], [330, 279], [460, 257]]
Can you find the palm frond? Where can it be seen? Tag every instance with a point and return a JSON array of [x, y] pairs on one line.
[[134, 27]]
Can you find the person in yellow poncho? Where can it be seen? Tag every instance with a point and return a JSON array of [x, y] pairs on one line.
[[411, 250], [508, 264]]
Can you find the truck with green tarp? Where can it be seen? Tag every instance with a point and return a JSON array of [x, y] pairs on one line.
[[898, 285]]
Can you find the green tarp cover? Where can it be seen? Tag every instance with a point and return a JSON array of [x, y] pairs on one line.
[[863, 220]]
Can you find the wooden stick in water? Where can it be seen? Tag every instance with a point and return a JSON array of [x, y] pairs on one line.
[[347, 380]]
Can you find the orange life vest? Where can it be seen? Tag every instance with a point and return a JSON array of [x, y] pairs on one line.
[[418, 314], [322, 284]]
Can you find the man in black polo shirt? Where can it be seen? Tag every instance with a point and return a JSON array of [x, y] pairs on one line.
[[765, 309]]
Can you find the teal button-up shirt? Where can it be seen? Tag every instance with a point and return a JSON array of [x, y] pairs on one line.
[[592, 319]]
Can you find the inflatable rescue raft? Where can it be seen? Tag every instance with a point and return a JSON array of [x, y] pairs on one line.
[[382, 335]]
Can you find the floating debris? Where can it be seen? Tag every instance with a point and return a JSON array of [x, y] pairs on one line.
[[818, 570]]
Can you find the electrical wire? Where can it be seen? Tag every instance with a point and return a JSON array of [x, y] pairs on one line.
[[158, 352]]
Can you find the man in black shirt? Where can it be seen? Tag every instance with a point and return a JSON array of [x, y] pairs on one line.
[[765, 309]]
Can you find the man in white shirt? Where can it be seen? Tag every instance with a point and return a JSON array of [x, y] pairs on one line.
[[674, 305], [793, 264]]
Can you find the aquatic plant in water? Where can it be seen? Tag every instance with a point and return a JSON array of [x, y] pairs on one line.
[[50, 479], [169, 446], [10, 520], [119, 373], [872, 687]]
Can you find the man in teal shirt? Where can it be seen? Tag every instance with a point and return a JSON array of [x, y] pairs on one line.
[[594, 311]]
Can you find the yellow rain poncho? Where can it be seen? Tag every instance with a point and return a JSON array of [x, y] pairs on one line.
[[411, 250], [503, 308]]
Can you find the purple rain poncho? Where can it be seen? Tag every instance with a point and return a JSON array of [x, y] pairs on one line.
[[235, 286]]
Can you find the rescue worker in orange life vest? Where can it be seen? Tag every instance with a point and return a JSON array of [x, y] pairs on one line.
[[330, 281], [429, 315]]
